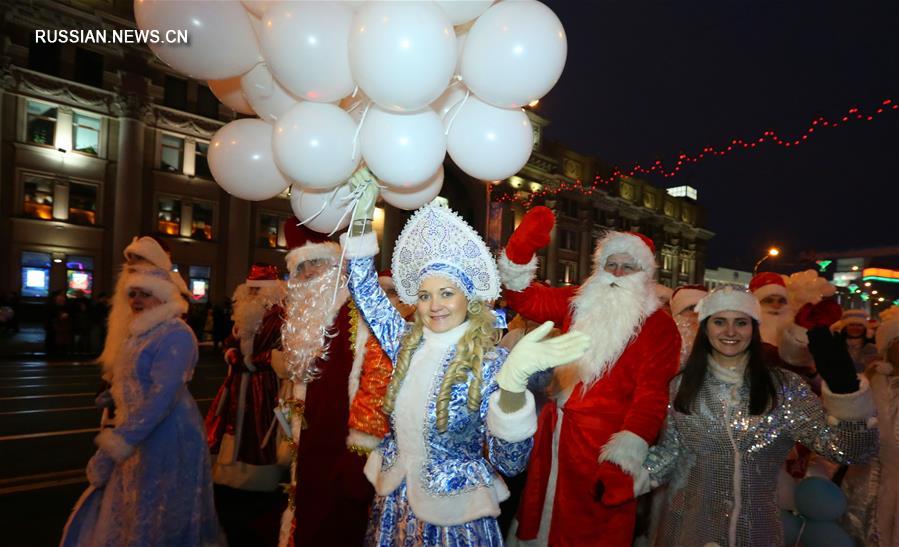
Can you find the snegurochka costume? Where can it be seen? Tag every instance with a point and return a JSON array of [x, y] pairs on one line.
[[438, 486]]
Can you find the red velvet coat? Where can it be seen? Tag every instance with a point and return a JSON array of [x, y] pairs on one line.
[[261, 398], [332, 496], [632, 396]]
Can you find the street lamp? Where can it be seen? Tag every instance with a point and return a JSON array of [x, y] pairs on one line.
[[772, 252]]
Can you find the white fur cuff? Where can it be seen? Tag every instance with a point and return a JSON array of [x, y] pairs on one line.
[[858, 405], [360, 246], [516, 277], [627, 450], [514, 426], [361, 441], [114, 445]]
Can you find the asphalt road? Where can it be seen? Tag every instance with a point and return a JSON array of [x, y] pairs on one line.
[[47, 424]]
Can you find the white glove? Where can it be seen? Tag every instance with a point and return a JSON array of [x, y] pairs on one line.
[[532, 355]]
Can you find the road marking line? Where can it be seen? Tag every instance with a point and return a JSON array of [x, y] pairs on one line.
[[48, 434], [51, 396], [69, 473], [41, 485], [92, 407]]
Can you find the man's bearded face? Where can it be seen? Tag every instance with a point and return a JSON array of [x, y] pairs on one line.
[[773, 304], [621, 265]]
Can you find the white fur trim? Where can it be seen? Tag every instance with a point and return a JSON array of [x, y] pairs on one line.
[[362, 334], [229, 471], [514, 426], [684, 298], [767, 290], [114, 445], [882, 367], [729, 299], [359, 440], [360, 246], [149, 249], [157, 282], [887, 333], [516, 277], [858, 405], [279, 364], [622, 242], [627, 450], [147, 319], [311, 251]]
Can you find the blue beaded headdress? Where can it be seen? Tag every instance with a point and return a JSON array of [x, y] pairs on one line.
[[437, 241]]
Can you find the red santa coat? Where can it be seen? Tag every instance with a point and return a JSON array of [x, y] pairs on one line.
[[332, 494], [632, 396], [261, 397]]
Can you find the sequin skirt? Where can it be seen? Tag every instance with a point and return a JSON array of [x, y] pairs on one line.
[[392, 523]]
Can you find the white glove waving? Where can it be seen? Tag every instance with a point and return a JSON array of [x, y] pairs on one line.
[[534, 354]]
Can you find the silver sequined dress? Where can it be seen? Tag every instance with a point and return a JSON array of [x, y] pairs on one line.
[[721, 463]]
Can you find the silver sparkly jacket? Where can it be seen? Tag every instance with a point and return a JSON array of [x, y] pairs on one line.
[[722, 463]]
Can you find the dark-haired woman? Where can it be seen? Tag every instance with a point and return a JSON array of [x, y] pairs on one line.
[[732, 421]]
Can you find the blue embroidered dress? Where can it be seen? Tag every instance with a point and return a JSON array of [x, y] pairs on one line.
[[438, 488]]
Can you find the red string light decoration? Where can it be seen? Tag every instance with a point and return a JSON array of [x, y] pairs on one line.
[[659, 168]]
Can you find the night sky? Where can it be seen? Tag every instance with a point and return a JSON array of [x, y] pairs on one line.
[[646, 80]]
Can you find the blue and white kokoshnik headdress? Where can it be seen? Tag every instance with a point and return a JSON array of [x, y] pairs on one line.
[[437, 241]]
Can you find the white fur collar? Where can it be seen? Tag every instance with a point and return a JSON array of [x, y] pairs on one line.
[[727, 374], [146, 320]]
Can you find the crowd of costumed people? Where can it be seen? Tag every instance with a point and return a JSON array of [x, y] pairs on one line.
[[456, 399]]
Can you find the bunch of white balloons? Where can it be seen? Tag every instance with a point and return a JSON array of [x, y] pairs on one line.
[[393, 84]]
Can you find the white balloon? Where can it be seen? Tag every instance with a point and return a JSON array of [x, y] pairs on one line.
[[313, 145], [463, 11], [221, 40], [256, 7], [267, 97], [402, 54], [413, 198], [231, 95], [450, 98], [461, 36], [514, 53], [328, 210], [402, 149], [487, 142], [305, 46], [240, 158]]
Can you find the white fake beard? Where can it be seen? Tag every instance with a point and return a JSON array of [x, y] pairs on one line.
[[250, 309], [611, 311], [310, 314], [773, 322]]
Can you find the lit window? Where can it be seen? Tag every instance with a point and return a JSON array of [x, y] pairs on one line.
[[79, 276], [568, 275], [666, 262], [685, 266], [172, 153], [269, 228], [201, 164], [38, 193], [168, 216], [41, 123], [568, 240], [201, 227], [86, 133], [35, 274], [198, 283], [82, 203]]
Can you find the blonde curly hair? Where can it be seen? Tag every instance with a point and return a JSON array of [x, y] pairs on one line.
[[480, 337]]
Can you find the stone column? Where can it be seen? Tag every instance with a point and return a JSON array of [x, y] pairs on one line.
[[236, 243], [552, 252], [132, 110]]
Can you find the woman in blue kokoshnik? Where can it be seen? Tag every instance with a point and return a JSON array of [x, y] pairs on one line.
[[460, 413]]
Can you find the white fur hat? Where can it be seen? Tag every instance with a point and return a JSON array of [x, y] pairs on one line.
[[729, 299], [149, 249], [157, 282], [639, 246], [887, 333]]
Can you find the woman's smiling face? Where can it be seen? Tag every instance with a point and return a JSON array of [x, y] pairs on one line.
[[441, 305]]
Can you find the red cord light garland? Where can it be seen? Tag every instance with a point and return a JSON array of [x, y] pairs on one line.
[[659, 168]]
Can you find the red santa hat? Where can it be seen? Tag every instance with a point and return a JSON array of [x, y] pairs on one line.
[[263, 275], [766, 284], [686, 296], [728, 299], [385, 278], [638, 246], [150, 249], [306, 244]]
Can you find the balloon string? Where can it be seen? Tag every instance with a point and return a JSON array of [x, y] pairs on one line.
[[359, 129], [355, 91], [449, 124], [801, 529], [324, 205]]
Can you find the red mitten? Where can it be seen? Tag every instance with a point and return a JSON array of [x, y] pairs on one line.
[[823, 314], [532, 234], [614, 486], [232, 357]]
